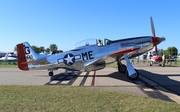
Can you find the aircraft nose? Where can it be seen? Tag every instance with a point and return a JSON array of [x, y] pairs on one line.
[[157, 40]]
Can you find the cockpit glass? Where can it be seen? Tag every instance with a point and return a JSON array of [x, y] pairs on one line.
[[90, 42], [87, 42]]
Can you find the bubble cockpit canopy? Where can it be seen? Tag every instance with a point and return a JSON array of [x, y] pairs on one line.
[[90, 42], [87, 42]]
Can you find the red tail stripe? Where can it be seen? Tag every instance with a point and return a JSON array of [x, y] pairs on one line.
[[22, 62]]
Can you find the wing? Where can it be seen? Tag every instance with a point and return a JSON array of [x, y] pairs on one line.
[[114, 55]]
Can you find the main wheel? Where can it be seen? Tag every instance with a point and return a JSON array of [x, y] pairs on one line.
[[134, 76], [122, 68], [51, 73]]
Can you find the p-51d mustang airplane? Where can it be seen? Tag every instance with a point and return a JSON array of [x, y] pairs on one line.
[[154, 57], [90, 56], [9, 57]]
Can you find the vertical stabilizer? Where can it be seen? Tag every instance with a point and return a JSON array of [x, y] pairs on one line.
[[25, 54]]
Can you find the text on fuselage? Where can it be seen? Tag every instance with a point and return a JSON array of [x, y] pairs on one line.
[[87, 55]]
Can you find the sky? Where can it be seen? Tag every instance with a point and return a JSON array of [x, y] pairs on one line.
[[66, 22]]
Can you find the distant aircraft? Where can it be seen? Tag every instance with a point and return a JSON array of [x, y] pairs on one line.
[[10, 56], [154, 57], [90, 55]]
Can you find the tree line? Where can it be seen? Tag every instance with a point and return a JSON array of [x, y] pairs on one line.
[[53, 49], [169, 51]]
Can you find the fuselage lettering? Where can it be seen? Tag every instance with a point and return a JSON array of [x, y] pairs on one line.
[[87, 55], [27, 51], [84, 55], [90, 55]]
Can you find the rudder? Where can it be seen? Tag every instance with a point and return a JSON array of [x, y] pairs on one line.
[[22, 62]]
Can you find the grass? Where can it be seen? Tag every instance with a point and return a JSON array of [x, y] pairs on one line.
[[172, 64], [8, 65], [112, 64], [75, 99]]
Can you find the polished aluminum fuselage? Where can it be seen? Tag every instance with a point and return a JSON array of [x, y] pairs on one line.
[[94, 57]]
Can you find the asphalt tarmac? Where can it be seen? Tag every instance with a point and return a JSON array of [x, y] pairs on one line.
[[155, 82]]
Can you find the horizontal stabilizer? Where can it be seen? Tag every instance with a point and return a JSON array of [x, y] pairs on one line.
[[39, 61]]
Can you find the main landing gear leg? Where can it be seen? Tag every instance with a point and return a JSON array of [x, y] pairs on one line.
[[132, 73], [121, 67]]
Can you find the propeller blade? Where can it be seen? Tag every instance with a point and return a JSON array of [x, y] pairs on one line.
[[153, 33], [152, 27]]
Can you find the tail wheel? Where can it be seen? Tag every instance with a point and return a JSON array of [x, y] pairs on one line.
[[134, 76], [51, 73], [122, 68]]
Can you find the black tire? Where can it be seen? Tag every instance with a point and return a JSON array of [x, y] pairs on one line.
[[134, 76], [122, 68], [51, 73]]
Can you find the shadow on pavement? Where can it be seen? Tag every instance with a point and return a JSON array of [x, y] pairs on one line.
[[163, 80]]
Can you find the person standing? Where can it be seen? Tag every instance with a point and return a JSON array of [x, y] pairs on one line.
[[175, 59], [150, 57], [137, 60], [164, 59]]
